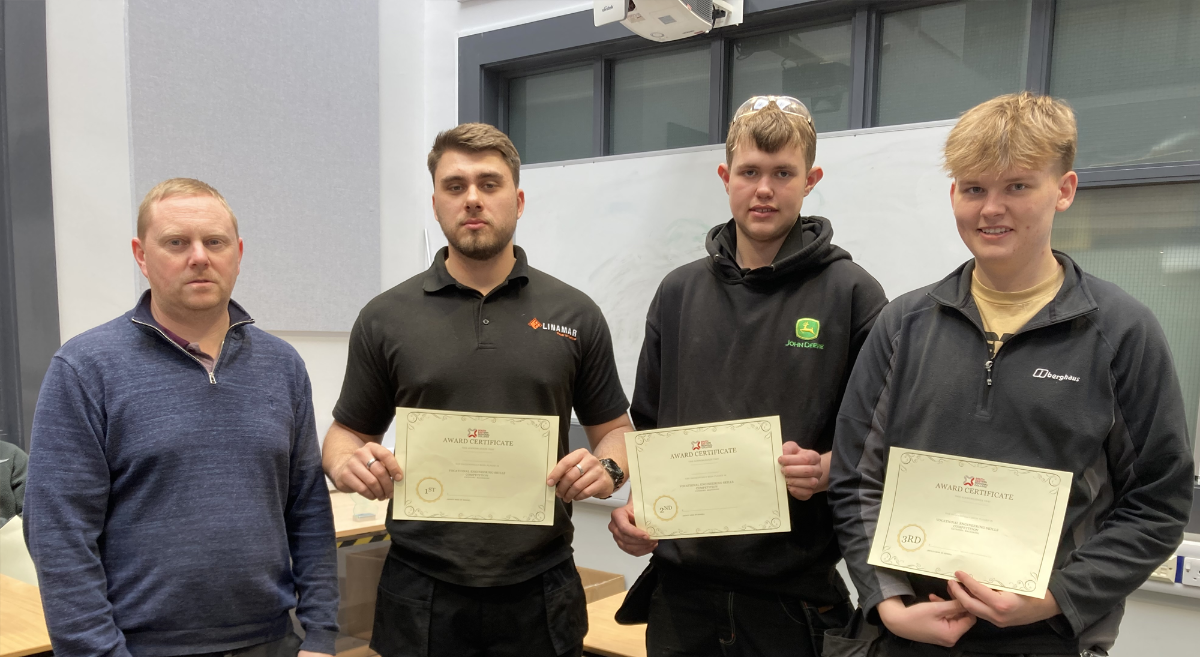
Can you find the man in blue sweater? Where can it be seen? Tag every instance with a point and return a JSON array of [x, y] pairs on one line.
[[175, 502]]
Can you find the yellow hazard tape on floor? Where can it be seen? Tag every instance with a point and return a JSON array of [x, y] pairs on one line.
[[378, 538]]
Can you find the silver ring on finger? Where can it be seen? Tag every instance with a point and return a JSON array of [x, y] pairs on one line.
[[373, 461], [580, 466]]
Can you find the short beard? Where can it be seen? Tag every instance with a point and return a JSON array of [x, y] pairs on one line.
[[481, 245]]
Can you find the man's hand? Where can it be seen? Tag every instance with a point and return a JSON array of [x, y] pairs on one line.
[[806, 472], [938, 621], [309, 653], [373, 482], [628, 537], [1001, 608], [578, 476]]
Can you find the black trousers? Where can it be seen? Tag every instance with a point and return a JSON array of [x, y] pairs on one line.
[[700, 619], [893, 646], [419, 616]]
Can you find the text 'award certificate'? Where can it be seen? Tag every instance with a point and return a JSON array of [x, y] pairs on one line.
[[471, 467], [717, 479], [999, 523]]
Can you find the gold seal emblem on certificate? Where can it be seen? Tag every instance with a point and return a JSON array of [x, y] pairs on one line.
[[472, 467], [666, 508], [718, 479], [429, 489], [911, 538], [1000, 522]]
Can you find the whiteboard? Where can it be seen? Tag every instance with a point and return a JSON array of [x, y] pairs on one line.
[[614, 227]]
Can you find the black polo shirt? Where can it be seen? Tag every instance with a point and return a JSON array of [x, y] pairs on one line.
[[534, 345]]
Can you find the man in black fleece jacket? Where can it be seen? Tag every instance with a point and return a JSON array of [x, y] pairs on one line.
[[1021, 357], [768, 324]]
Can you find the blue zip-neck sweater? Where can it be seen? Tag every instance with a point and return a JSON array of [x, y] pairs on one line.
[[170, 513]]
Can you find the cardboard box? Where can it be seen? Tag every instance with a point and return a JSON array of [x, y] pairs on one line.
[[598, 584]]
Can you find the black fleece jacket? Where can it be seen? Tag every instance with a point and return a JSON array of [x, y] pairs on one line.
[[723, 343], [1087, 386]]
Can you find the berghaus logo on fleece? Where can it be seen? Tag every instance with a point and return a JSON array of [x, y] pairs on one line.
[[1043, 373], [807, 330]]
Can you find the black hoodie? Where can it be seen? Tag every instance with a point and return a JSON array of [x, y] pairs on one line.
[[723, 343]]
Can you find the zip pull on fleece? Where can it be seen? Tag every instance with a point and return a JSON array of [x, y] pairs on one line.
[[988, 366]]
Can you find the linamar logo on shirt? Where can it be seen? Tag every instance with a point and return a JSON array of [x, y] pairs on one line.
[[807, 330], [563, 331]]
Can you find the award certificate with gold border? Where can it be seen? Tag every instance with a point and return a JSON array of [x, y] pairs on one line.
[[475, 467], [998, 522], [718, 479]]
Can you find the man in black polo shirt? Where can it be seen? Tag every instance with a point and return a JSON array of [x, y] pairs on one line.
[[480, 331]]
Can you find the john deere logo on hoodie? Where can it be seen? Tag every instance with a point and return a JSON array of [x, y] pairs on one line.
[[807, 330]]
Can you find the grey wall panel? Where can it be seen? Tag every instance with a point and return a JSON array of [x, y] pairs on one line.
[[28, 278], [276, 105]]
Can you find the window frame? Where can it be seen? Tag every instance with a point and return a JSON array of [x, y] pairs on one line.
[[488, 60], [1037, 74]]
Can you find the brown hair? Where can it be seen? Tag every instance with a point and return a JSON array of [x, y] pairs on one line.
[[475, 138], [772, 130], [177, 187], [1013, 131]]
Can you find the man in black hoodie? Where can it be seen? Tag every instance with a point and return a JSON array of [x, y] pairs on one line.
[[768, 324]]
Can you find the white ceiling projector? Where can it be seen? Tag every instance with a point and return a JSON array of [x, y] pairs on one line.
[[668, 20]]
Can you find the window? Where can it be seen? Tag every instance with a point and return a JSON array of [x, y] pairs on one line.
[[1146, 240], [550, 115], [812, 64], [937, 62], [1131, 70], [660, 101]]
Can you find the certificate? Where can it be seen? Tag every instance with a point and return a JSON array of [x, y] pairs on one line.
[[471, 467], [719, 479], [998, 522]]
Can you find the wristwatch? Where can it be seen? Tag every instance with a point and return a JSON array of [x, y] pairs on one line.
[[614, 471]]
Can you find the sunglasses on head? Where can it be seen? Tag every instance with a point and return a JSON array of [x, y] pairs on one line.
[[786, 104]]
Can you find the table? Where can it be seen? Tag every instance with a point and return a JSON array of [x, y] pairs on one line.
[[22, 624], [349, 531], [606, 637]]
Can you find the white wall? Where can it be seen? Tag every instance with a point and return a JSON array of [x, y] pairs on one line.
[[87, 67], [1159, 624], [594, 546], [89, 156], [418, 97], [90, 153]]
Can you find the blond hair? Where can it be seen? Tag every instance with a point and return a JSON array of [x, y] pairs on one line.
[[1013, 131], [771, 130], [177, 187], [475, 138]]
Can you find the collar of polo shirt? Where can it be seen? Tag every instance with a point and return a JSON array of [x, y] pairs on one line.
[[439, 278]]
